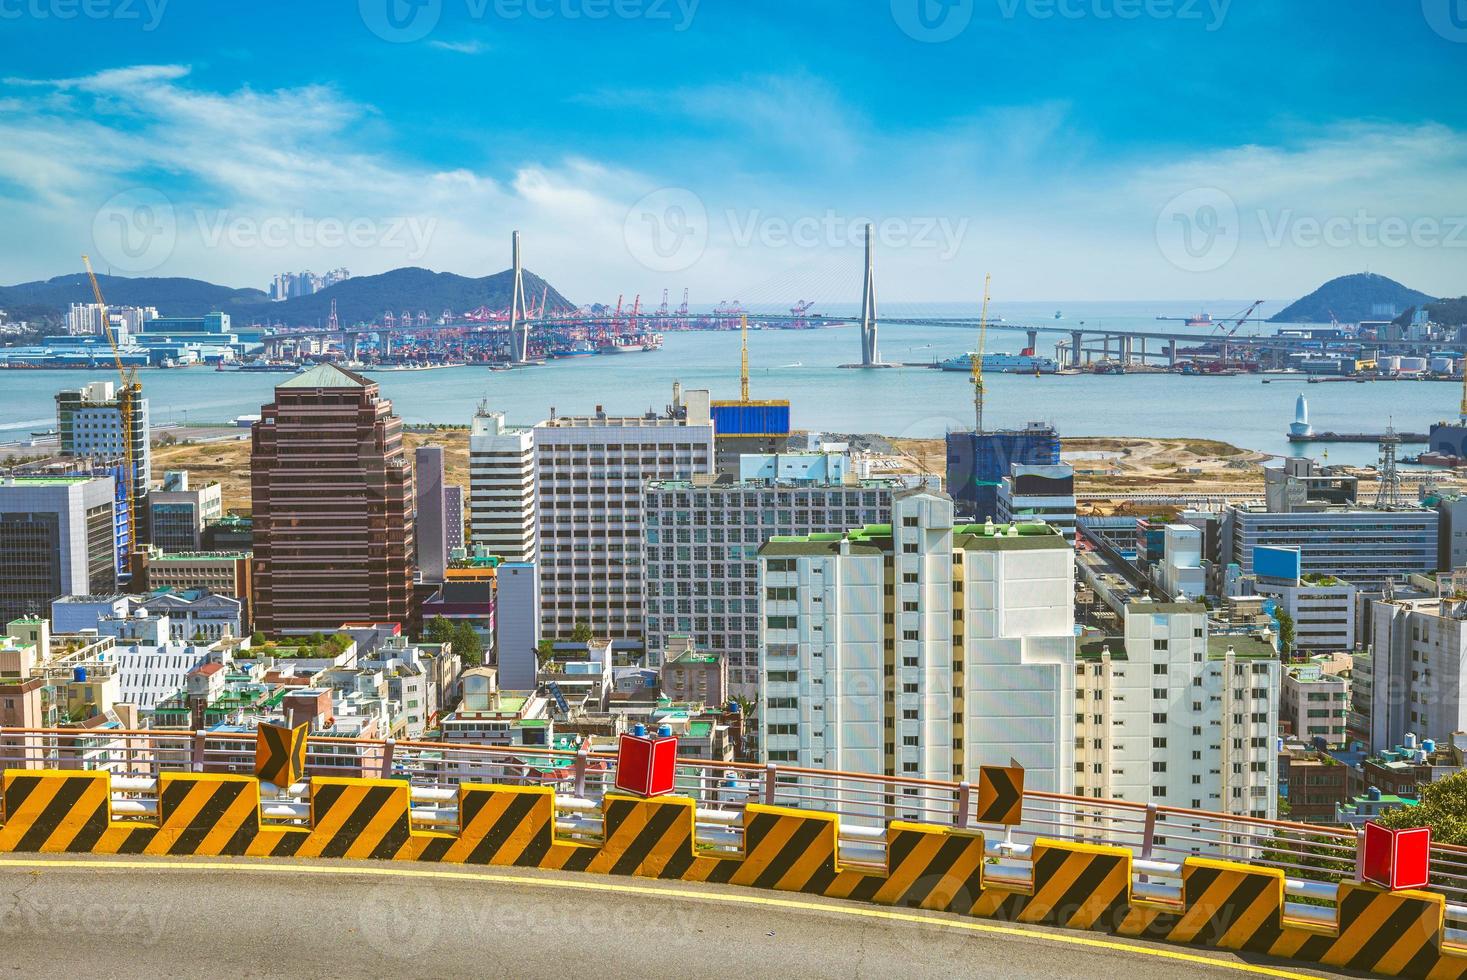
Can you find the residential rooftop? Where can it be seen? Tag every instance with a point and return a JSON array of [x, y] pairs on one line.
[[877, 538]]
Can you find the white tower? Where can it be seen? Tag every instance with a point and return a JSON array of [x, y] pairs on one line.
[[1301, 426]]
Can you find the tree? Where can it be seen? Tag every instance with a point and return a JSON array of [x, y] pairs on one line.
[[545, 648], [257, 639], [440, 630], [1443, 808], [1286, 633], [581, 632], [467, 645]]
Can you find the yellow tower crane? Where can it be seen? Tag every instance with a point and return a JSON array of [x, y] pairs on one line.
[[978, 357], [744, 359], [132, 389]]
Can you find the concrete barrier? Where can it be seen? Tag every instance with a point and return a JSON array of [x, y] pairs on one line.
[[1082, 886]]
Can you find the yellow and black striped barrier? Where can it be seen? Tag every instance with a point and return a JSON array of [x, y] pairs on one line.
[[1083, 886]]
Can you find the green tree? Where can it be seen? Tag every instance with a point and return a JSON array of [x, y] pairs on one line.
[[439, 630], [545, 648], [467, 645], [1286, 633], [257, 639], [581, 632], [1443, 808]]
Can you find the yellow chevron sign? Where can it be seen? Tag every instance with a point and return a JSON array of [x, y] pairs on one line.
[[280, 754], [1000, 795]]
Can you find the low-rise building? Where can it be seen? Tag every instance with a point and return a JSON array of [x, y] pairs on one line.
[[689, 674], [1314, 705], [177, 514], [1313, 784]]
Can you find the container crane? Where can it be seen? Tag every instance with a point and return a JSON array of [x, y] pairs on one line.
[[132, 389], [978, 358]]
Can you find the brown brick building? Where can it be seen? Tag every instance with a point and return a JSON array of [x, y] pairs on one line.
[[332, 491]]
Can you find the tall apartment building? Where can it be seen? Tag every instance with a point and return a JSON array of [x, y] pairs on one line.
[[919, 648], [1417, 670], [1176, 717], [430, 530], [177, 513], [502, 501], [57, 537], [89, 423], [701, 547], [589, 476], [332, 489]]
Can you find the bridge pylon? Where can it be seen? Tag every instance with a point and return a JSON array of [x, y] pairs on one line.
[[870, 356], [519, 321]]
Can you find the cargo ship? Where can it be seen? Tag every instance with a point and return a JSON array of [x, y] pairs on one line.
[[1200, 320], [1003, 363]]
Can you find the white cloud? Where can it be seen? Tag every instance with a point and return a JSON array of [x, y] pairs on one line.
[[460, 47]]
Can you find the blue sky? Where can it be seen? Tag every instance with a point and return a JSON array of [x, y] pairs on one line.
[[1076, 149]]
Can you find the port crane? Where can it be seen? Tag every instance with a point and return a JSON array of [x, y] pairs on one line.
[[132, 389], [978, 358]]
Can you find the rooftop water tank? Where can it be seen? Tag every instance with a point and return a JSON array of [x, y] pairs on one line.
[[79, 674], [1428, 746], [1410, 740], [1373, 793]]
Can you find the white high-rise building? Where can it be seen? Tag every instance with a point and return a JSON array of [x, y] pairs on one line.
[[919, 649], [589, 476], [502, 487], [1418, 670], [1175, 717]]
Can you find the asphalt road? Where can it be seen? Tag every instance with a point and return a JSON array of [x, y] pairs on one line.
[[70, 917]]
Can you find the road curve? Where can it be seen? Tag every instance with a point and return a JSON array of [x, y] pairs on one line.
[[90, 916]]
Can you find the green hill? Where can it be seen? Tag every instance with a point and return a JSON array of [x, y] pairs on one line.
[[1448, 312], [361, 298], [1351, 299]]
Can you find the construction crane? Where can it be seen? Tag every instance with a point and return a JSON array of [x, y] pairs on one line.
[[132, 389], [978, 358], [744, 359]]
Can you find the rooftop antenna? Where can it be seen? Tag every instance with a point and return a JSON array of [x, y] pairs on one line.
[[1388, 494], [978, 358], [744, 358]]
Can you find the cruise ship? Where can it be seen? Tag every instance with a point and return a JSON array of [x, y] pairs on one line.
[[1003, 363]]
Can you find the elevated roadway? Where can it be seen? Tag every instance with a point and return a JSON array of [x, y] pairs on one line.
[[63, 916]]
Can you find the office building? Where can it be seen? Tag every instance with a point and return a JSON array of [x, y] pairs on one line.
[[1181, 572], [230, 533], [919, 648], [701, 542], [453, 520], [332, 489], [1418, 668], [1365, 547], [1451, 505], [225, 573], [89, 421], [589, 475], [57, 537], [1321, 606], [1174, 716], [502, 500], [1044, 492], [177, 514], [978, 462], [1314, 705], [517, 625], [430, 534], [748, 427]]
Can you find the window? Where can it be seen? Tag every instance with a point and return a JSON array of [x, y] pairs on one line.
[[909, 549], [1158, 743], [1158, 791], [1158, 717]]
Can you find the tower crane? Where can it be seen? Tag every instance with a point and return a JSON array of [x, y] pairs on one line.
[[978, 358], [744, 358], [131, 390]]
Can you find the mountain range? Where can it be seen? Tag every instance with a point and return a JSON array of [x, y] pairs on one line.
[[360, 298]]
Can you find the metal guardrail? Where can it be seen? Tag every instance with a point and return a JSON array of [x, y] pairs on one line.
[[1160, 838]]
